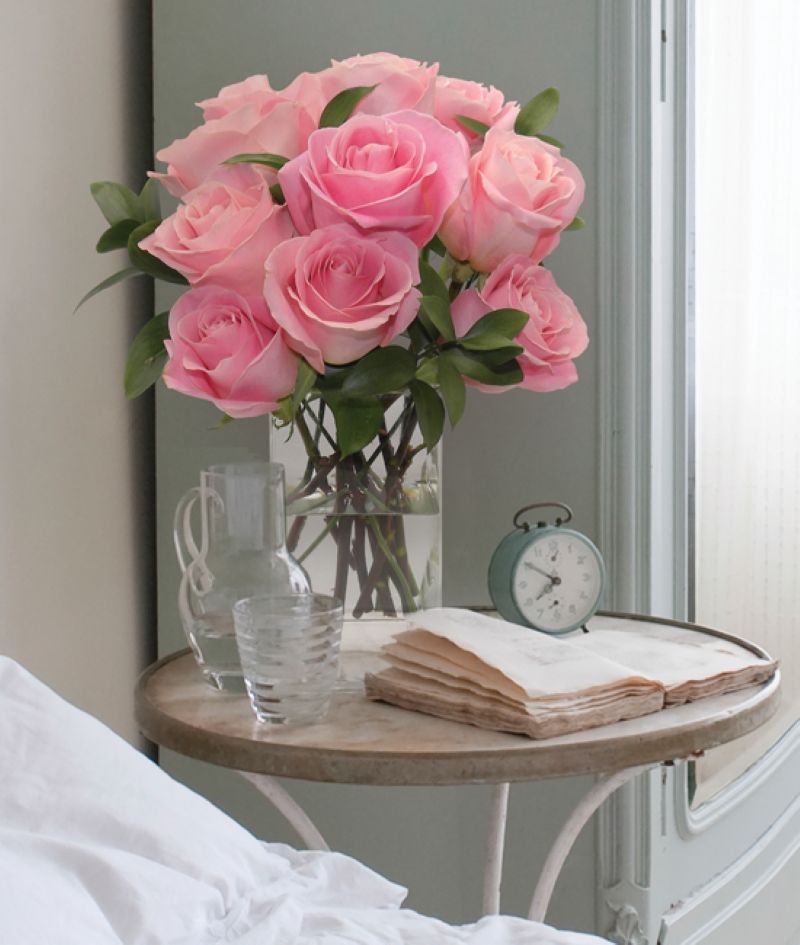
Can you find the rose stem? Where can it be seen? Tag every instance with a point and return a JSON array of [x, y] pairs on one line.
[[374, 582], [342, 533], [320, 480], [402, 584], [359, 561], [330, 523], [322, 465]]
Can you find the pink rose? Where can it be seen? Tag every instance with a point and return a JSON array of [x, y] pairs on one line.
[[554, 335], [338, 294], [310, 90], [253, 90], [225, 349], [261, 121], [473, 100], [398, 172], [306, 88], [223, 231], [401, 83], [519, 196]]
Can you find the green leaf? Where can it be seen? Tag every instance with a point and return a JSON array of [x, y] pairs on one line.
[[430, 412], [275, 161], [507, 322], [306, 378], [284, 411], [488, 341], [334, 377], [438, 311], [223, 421], [147, 356], [427, 326], [381, 371], [149, 201], [436, 246], [341, 106], [116, 236], [418, 336], [497, 357], [577, 224], [120, 276], [431, 283], [116, 201], [549, 139], [474, 367], [428, 371], [472, 124], [453, 390], [147, 263], [357, 421], [538, 113]]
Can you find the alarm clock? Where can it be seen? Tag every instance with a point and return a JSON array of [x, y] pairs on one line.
[[546, 577]]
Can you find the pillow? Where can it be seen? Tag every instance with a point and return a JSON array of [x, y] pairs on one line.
[[98, 845]]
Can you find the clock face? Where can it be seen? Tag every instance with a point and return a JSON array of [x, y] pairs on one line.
[[557, 581]]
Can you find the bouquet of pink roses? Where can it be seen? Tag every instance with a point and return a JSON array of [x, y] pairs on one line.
[[358, 247]]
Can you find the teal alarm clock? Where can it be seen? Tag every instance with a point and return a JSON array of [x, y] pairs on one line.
[[546, 577]]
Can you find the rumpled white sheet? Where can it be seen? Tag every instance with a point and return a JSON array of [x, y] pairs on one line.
[[98, 846]]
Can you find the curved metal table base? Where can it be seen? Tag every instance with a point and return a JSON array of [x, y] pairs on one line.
[[603, 788], [493, 870], [285, 804]]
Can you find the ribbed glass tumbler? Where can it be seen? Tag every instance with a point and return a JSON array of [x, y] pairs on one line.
[[289, 651]]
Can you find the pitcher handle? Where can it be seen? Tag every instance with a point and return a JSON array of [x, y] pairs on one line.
[[182, 529], [195, 571]]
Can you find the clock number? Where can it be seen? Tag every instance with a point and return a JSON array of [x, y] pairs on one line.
[[586, 577]]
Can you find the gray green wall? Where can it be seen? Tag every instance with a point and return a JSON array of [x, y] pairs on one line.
[[509, 450]]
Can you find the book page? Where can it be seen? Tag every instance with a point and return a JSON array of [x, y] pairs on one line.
[[672, 655], [534, 663]]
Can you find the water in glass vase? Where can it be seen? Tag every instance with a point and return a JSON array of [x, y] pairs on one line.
[[366, 527]]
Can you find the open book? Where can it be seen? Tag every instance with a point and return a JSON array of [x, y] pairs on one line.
[[473, 668]]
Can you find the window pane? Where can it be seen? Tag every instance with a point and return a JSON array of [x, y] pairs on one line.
[[747, 308]]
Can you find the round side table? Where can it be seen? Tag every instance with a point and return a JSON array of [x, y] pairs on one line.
[[363, 742]]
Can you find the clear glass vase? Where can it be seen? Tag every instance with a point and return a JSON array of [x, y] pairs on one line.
[[230, 536], [366, 527]]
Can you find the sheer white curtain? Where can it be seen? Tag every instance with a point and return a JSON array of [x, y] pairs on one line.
[[748, 341]]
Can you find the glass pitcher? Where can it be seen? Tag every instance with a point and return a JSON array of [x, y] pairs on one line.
[[240, 551]]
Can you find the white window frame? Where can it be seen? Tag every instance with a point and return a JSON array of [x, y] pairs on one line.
[[643, 304], [653, 848]]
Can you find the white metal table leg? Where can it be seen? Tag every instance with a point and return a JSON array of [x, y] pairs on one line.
[[603, 788], [493, 871], [285, 804]]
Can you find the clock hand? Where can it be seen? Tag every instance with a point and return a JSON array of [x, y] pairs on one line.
[[553, 578], [545, 590]]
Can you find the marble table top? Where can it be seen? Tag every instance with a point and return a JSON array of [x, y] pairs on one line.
[[363, 742]]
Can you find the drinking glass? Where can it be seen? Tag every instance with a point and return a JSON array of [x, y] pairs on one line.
[[289, 652]]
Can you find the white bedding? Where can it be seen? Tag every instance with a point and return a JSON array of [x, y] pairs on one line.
[[98, 846]]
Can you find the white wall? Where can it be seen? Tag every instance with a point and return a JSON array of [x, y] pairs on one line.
[[509, 450], [76, 582]]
